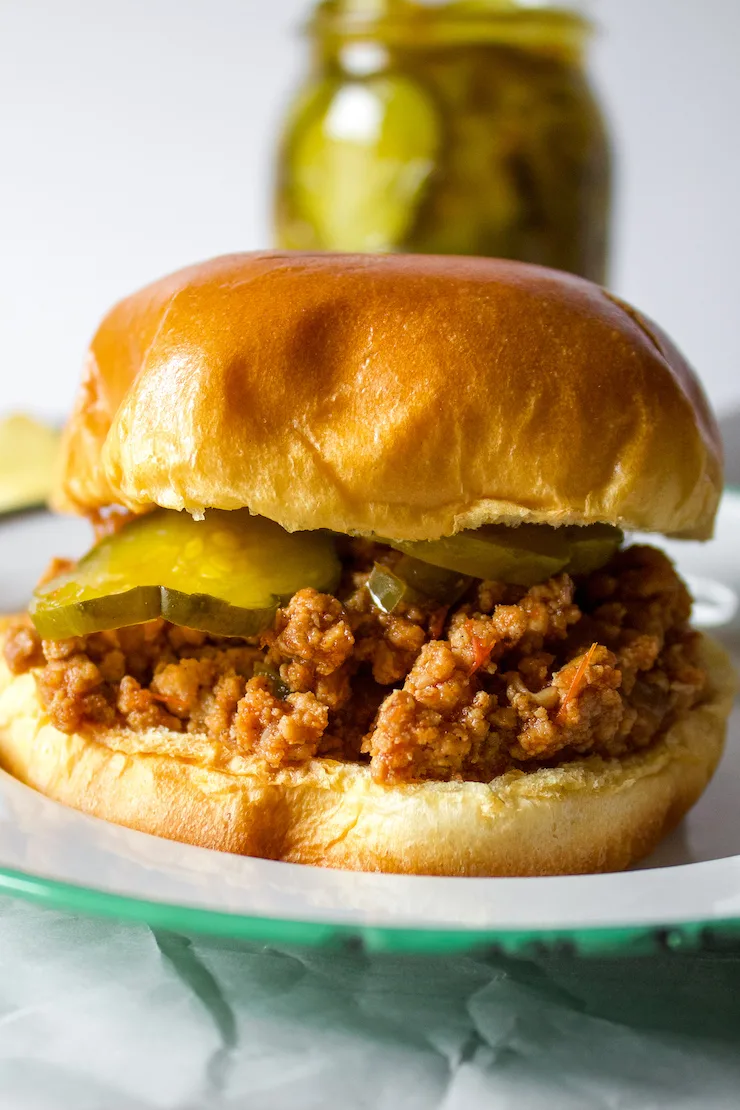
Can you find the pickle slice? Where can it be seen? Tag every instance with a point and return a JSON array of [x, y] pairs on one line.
[[359, 162], [592, 546], [443, 585], [523, 556], [412, 580], [226, 574]]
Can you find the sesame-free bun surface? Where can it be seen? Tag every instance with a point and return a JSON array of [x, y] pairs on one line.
[[585, 816], [403, 395]]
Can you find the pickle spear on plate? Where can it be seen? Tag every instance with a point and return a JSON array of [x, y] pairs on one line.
[[28, 453]]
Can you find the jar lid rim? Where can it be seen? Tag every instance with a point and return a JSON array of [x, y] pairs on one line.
[[434, 23]]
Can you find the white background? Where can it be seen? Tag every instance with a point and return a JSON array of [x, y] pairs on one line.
[[137, 136]]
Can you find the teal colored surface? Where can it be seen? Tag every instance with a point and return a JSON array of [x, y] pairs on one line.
[[102, 1014]]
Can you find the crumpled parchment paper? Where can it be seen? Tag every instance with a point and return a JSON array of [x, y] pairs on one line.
[[95, 1015]]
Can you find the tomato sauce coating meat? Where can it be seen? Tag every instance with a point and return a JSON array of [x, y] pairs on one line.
[[506, 678]]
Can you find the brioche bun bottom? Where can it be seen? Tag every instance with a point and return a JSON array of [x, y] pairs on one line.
[[588, 815]]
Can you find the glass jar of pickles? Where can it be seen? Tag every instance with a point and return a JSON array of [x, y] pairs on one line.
[[462, 127]]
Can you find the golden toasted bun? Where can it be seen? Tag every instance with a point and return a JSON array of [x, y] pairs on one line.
[[403, 395], [585, 816]]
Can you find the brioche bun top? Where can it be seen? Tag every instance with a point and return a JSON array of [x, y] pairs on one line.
[[407, 396]]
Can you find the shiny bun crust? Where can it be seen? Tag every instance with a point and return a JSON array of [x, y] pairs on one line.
[[586, 816], [401, 395]]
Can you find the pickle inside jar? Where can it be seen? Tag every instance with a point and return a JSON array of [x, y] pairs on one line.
[[358, 162], [225, 574]]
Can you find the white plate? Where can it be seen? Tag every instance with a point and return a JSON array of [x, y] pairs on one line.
[[686, 893]]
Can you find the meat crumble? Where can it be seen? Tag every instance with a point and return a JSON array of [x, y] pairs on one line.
[[505, 678]]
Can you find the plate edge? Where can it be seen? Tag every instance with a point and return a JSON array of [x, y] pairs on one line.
[[623, 940]]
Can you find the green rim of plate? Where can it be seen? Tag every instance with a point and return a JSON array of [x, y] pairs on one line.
[[634, 940], [628, 940]]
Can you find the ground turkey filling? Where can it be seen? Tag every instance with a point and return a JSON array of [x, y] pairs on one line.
[[505, 678]]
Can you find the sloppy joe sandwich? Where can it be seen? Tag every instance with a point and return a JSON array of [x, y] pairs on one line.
[[362, 593]]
